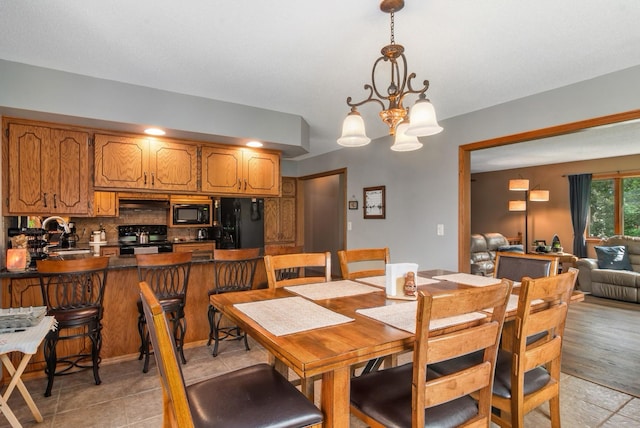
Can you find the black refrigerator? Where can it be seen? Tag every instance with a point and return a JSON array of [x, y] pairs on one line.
[[242, 222]]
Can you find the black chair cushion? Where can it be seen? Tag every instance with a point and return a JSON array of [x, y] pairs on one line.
[[253, 396], [386, 396], [75, 316], [533, 379]]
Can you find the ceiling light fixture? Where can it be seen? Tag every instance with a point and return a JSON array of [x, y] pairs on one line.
[[154, 131], [254, 144], [421, 121]]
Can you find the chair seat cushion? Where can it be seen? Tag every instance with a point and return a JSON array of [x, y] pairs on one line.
[[533, 379], [171, 304], [252, 396], [75, 316], [386, 396]]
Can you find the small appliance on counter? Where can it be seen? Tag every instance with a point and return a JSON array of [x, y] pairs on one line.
[[202, 234]]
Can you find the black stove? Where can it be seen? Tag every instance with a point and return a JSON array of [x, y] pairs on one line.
[[128, 239]]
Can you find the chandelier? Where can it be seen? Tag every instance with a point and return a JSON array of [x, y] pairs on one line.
[[406, 126]]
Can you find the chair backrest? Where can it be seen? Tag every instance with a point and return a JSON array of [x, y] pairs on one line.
[[275, 249], [176, 404], [233, 270], [475, 336], [363, 262], [166, 273], [515, 266], [73, 284], [304, 262]]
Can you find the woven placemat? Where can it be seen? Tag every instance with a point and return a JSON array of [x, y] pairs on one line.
[[468, 279], [403, 316], [381, 281], [331, 290], [290, 315]]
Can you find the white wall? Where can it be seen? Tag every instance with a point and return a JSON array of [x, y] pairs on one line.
[[422, 186]]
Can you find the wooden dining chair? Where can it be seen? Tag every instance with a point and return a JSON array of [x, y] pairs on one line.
[[363, 262], [515, 266], [312, 267], [412, 395], [529, 374], [252, 396], [233, 270]]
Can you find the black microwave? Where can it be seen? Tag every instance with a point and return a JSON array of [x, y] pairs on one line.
[[191, 214]]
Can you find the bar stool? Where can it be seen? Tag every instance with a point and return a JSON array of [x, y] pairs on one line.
[[168, 275], [73, 291], [233, 270]]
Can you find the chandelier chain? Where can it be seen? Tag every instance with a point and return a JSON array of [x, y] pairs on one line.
[[393, 39]]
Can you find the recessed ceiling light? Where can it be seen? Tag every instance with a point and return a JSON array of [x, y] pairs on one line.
[[254, 144], [154, 131]]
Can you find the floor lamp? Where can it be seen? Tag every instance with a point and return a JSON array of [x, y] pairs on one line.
[[535, 195]]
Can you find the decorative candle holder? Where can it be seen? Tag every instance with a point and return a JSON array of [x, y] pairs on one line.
[[17, 259]]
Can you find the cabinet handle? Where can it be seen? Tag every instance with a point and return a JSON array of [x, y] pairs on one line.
[[145, 178], [239, 184], [245, 184], [55, 202], [45, 200], [153, 178]]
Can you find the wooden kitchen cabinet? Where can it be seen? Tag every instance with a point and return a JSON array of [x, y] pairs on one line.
[[198, 248], [123, 162], [280, 215], [48, 171], [105, 204], [240, 172]]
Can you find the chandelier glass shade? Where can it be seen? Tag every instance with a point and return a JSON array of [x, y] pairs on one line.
[[420, 121], [404, 142]]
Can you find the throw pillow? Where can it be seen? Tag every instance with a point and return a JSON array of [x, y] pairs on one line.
[[614, 257], [511, 248]]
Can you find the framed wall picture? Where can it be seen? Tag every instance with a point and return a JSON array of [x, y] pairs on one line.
[[353, 205], [374, 202]]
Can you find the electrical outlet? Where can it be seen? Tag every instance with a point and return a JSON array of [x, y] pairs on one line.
[[348, 225], [440, 230]]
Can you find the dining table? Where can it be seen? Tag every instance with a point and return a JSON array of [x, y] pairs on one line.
[[326, 328]]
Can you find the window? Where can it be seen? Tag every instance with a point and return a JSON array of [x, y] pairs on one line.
[[615, 206]]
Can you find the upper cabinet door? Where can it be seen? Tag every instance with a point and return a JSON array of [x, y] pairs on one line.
[[261, 173], [121, 162], [173, 166], [221, 170], [48, 170]]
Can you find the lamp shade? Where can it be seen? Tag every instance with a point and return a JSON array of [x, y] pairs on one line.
[[517, 205], [519, 184], [539, 195], [353, 133], [422, 119], [404, 142]]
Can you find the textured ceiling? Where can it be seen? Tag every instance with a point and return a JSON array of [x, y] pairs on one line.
[[306, 57]]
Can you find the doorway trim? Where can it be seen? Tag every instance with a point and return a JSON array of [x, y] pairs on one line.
[[464, 169]]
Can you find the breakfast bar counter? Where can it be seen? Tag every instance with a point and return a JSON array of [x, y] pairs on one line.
[[120, 338]]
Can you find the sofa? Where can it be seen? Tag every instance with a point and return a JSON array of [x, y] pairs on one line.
[[483, 251], [615, 274]]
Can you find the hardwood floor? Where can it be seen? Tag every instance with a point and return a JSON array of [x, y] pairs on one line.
[[602, 343]]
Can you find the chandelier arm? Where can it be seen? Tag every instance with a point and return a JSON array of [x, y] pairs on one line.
[[366, 100]]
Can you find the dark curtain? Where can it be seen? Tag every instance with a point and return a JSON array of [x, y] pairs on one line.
[[579, 199]]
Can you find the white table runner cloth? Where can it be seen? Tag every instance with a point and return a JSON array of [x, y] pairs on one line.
[[331, 290], [290, 315], [27, 341], [403, 317], [381, 281], [468, 279]]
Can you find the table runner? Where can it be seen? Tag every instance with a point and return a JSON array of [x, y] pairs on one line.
[[290, 315], [468, 279], [381, 281], [331, 290], [27, 341], [403, 316]]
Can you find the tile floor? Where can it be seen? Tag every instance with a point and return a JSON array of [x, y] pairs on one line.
[[129, 398]]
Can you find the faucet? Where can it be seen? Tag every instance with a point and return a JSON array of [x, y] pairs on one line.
[[60, 222]]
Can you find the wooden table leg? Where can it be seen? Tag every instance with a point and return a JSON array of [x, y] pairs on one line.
[[335, 397], [16, 381]]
